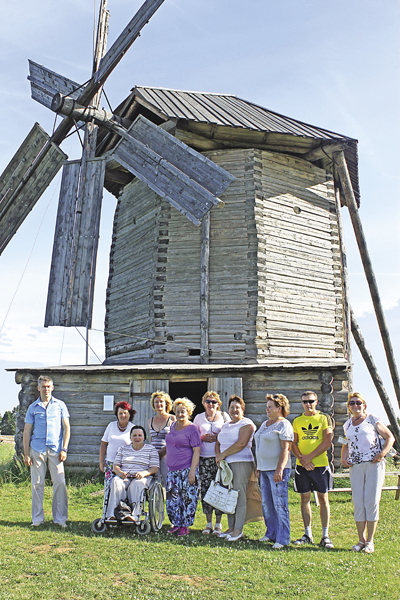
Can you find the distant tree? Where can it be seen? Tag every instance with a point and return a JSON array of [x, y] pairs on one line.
[[7, 425]]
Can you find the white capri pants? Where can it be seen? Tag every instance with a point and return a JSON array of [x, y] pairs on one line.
[[366, 481], [121, 488]]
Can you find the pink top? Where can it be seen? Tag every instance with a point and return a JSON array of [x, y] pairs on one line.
[[180, 446]]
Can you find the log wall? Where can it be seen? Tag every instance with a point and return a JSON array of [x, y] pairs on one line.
[[300, 290], [275, 284]]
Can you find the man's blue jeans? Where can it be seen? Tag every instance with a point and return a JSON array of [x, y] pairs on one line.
[[275, 506]]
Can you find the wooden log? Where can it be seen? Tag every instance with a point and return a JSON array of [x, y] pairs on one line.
[[351, 204], [346, 292], [205, 288], [373, 371]]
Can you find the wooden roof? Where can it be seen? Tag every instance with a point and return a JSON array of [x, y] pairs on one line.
[[272, 365], [209, 121]]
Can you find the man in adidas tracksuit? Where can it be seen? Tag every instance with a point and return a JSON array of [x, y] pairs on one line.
[[312, 438]]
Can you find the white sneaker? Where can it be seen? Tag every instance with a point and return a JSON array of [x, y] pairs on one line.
[[265, 538]]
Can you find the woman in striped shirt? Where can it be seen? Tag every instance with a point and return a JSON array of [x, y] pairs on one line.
[[159, 427], [133, 466]]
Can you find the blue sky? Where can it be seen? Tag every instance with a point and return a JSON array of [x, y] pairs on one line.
[[335, 65]]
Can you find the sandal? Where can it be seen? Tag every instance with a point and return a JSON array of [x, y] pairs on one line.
[[217, 530], [358, 547], [207, 530], [369, 548]]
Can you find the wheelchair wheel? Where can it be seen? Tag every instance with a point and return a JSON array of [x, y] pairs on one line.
[[156, 506], [98, 526], [143, 528]]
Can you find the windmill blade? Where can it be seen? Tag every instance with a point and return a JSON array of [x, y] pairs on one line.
[[200, 168], [175, 172], [185, 194], [184, 177], [125, 40], [24, 180], [73, 264], [46, 83]]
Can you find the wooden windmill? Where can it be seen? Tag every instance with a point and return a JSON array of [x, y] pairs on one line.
[[187, 180], [254, 299]]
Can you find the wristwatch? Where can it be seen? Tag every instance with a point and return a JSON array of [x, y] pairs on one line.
[[65, 450]]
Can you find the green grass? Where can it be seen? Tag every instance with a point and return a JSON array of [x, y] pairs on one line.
[[75, 564]]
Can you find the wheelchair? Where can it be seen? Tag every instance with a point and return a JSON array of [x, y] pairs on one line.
[[151, 514]]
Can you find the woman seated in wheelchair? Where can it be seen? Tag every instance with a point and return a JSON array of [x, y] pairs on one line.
[[134, 466]]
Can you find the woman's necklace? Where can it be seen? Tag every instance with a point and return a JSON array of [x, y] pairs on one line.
[[120, 428], [353, 421]]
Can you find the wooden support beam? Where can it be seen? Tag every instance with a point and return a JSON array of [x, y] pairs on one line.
[[345, 181], [345, 281], [373, 371], [325, 150], [205, 289]]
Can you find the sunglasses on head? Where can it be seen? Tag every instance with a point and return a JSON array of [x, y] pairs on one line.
[[355, 402], [210, 402]]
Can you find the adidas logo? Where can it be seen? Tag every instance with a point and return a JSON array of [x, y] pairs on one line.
[[310, 432], [310, 429]]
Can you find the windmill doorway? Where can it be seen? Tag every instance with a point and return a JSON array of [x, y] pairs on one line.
[[194, 390]]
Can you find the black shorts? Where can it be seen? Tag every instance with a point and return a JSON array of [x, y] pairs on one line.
[[319, 480]]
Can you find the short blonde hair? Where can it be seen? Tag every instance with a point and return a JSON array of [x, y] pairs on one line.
[[186, 403], [281, 402], [212, 395], [309, 393], [45, 378], [355, 395], [165, 397]]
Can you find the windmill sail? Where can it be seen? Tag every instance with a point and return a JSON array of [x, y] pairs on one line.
[[73, 265], [174, 171], [200, 168], [46, 83], [28, 174]]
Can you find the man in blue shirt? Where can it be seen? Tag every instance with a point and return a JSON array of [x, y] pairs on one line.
[[46, 438]]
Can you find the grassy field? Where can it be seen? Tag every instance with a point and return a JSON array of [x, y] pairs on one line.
[[75, 564]]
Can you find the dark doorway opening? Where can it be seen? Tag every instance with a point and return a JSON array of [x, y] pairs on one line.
[[194, 390]]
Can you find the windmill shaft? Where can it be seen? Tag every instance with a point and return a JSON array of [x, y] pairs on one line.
[[65, 105]]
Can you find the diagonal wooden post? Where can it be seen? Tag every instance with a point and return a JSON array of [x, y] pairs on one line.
[[347, 188], [205, 289], [373, 371]]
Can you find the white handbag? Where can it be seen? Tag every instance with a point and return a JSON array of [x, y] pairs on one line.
[[222, 498]]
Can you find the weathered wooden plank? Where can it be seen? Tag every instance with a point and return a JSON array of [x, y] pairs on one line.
[[185, 194], [18, 195], [60, 263], [198, 167], [71, 285], [46, 83]]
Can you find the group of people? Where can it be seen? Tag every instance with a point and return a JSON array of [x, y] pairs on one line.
[[186, 456]]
